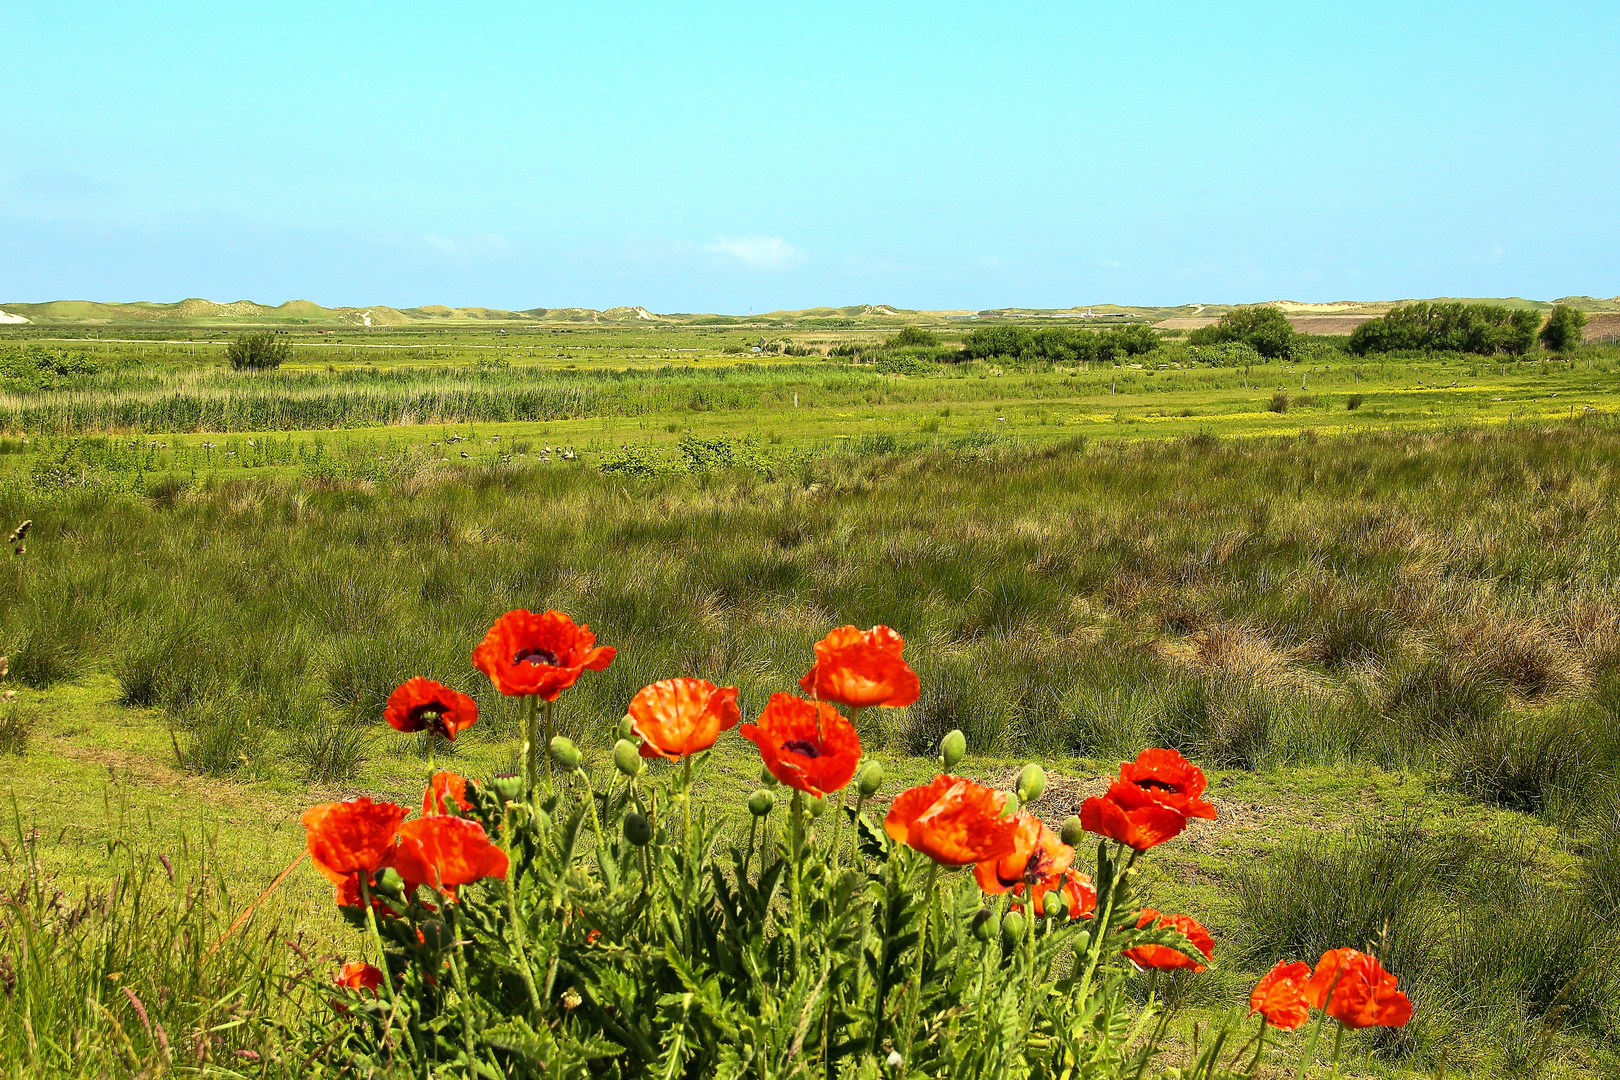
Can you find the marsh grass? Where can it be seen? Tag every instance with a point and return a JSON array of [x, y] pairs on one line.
[[1484, 937], [116, 977]]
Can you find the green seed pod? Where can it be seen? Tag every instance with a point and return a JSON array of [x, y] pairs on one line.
[[816, 806], [435, 935], [390, 883], [951, 748], [985, 924], [627, 758], [1054, 904], [1012, 927], [507, 788], [637, 829], [564, 752], [1031, 782], [766, 778], [762, 802], [1073, 831], [870, 778], [627, 729]]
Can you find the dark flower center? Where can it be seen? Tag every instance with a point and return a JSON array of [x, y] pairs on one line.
[[537, 657], [1035, 868], [430, 715], [802, 747], [1150, 784]]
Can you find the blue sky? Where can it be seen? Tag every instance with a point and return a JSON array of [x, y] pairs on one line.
[[722, 157]]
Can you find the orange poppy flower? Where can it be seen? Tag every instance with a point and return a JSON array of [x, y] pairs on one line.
[[354, 837], [358, 975], [952, 821], [677, 717], [1162, 956], [1281, 995], [807, 745], [445, 789], [1364, 994], [543, 655], [444, 852], [420, 704], [1169, 779], [1128, 814], [860, 668], [1037, 854]]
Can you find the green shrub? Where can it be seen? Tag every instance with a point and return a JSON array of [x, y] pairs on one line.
[[1485, 329], [1353, 402], [258, 352], [1263, 328], [1279, 403], [1562, 331], [912, 337]]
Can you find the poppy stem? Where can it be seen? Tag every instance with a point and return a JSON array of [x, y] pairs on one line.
[[686, 841], [531, 764], [1310, 1044], [922, 942], [515, 922], [797, 841], [1338, 1041], [550, 734], [382, 957]]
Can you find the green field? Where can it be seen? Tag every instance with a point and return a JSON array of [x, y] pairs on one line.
[[1389, 632]]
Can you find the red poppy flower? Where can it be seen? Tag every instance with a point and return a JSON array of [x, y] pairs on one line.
[[358, 975], [953, 821], [1169, 779], [1037, 854], [860, 668], [1281, 995], [543, 655], [348, 895], [420, 704], [1128, 814], [354, 837], [1073, 887], [445, 789], [807, 745], [677, 717], [444, 852], [1162, 956], [1364, 994]]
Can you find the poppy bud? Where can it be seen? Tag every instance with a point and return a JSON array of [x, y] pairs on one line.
[[816, 806], [1031, 782], [1073, 832], [507, 788], [435, 935], [1054, 904], [637, 829], [870, 778], [985, 926], [564, 752], [390, 882], [627, 758], [768, 778], [627, 728], [1012, 927], [761, 802], [952, 747]]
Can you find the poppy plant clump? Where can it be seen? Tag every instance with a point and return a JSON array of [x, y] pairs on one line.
[[596, 923]]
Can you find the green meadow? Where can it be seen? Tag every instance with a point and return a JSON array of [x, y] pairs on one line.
[[1373, 598]]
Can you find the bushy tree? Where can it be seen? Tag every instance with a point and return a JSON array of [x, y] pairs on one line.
[[258, 352], [1563, 329], [1485, 329], [1265, 328], [1060, 344]]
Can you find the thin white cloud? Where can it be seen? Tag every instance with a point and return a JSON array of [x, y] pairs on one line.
[[764, 252]]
